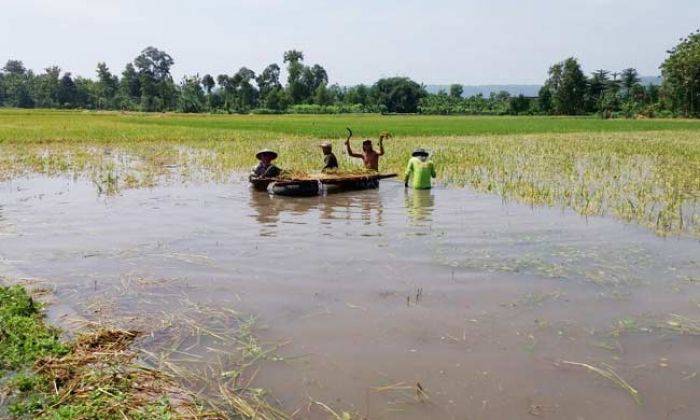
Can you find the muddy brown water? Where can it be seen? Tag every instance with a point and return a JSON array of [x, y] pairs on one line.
[[374, 292]]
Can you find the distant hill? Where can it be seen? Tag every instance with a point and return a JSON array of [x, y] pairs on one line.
[[471, 90], [514, 90]]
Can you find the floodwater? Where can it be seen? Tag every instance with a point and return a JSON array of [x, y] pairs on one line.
[[384, 303]]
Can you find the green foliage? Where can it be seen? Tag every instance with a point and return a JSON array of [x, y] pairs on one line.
[[500, 103], [545, 100], [519, 105], [191, 98], [630, 80], [129, 88], [47, 126], [23, 335], [16, 85], [35, 398], [398, 94], [597, 86], [146, 85], [67, 92], [567, 85], [326, 109], [456, 91], [14, 67], [107, 86], [642, 170], [158, 91], [87, 382], [681, 72]]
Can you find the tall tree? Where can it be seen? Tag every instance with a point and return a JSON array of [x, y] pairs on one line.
[[269, 86], [3, 90], [629, 79], [16, 85], [247, 94], [130, 85], [398, 94], [323, 96], [681, 73], [107, 86], [45, 88], [596, 88], [14, 67], [456, 91], [154, 62], [544, 99], [567, 84], [358, 95], [67, 91], [296, 90], [157, 87], [208, 83], [191, 98], [87, 93]]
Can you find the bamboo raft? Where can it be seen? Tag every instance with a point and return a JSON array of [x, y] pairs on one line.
[[316, 185]]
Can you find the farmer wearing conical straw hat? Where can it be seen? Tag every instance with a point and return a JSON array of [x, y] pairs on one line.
[[266, 169]]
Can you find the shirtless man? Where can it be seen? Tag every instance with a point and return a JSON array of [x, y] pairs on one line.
[[369, 157]]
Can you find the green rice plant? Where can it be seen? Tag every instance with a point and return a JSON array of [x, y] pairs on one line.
[[645, 172]]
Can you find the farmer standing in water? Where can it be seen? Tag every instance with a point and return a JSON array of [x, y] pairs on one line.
[[419, 171], [369, 157]]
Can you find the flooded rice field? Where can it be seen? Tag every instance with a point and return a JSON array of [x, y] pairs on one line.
[[382, 303]]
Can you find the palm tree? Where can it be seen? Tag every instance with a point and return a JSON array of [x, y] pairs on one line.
[[630, 78], [293, 56]]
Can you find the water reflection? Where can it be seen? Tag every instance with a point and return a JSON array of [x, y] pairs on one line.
[[419, 205], [364, 206], [501, 283], [268, 208]]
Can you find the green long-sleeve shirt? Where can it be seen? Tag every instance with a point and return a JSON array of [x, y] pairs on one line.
[[419, 173]]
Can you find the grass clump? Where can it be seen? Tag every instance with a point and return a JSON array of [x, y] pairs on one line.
[[608, 373], [92, 377], [23, 336]]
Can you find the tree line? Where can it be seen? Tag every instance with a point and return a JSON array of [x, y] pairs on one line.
[[146, 84]]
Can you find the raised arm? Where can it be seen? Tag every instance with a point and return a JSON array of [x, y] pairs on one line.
[[381, 143], [347, 145]]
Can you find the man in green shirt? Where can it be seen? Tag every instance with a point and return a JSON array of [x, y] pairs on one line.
[[419, 171]]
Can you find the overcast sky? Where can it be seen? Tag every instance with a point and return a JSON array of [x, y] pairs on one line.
[[359, 41]]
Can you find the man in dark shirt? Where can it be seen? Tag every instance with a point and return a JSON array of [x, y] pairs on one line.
[[330, 162]]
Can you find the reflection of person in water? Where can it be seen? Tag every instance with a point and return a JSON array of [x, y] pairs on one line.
[[419, 205], [345, 206], [265, 210], [268, 208]]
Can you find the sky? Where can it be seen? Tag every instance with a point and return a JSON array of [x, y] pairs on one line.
[[433, 42]]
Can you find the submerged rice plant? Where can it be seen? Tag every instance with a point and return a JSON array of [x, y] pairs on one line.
[[641, 176]]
